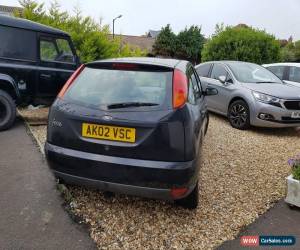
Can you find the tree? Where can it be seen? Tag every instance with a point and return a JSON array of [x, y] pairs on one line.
[[91, 39], [220, 27], [287, 53], [297, 51], [32, 10], [242, 43], [189, 44], [165, 42], [291, 52]]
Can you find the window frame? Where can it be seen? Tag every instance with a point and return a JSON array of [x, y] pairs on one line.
[[48, 37]]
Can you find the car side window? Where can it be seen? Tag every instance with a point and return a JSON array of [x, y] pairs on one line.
[[218, 70], [17, 43], [294, 74], [277, 70], [203, 70], [48, 50], [56, 50], [194, 90], [65, 52]]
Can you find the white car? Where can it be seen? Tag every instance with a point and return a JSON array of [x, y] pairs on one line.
[[288, 72]]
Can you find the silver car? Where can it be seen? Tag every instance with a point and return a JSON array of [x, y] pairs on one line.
[[288, 72], [249, 94]]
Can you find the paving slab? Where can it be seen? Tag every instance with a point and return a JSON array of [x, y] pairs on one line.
[[278, 221], [31, 211]]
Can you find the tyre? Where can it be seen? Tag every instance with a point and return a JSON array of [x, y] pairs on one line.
[[206, 127], [7, 111], [239, 115], [191, 201]]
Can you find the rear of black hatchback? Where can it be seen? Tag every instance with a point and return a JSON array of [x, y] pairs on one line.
[[132, 126]]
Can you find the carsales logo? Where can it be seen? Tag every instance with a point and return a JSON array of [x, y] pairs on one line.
[[250, 241]]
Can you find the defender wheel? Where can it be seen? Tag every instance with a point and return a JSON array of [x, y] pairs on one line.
[[7, 111], [239, 115], [191, 201]]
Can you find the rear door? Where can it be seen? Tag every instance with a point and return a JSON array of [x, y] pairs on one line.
[[122, 110], [198, 107], [57, 63]]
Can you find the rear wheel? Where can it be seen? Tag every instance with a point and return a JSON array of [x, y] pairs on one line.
[[191, 201], [7, 111], [239, 115]]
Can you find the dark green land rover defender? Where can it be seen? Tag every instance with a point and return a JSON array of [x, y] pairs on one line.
[[35, 62]]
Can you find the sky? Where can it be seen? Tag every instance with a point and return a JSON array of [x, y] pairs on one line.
[[278, 17]]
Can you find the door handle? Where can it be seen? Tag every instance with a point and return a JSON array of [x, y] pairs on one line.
[[45, 76]]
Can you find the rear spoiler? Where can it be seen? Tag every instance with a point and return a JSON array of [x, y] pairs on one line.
[[130, 66]]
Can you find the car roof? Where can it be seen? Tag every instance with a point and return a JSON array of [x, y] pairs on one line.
[[166, 62], [226, 62], [29, 25], [221, 61], [282, 64]]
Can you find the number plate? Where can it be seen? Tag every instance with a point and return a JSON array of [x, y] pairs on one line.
[[296, 115], [112, 133]]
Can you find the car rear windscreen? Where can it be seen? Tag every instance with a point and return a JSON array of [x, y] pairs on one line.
[[104, 87]]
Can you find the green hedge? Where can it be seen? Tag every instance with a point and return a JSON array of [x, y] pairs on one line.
[[242, 44]]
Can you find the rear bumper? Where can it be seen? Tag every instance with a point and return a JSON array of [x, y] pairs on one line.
[[156, 193], [152, 179]]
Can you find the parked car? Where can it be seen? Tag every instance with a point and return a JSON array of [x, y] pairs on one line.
[[132, 126], [288, 72], [249, 94], [35, 62]]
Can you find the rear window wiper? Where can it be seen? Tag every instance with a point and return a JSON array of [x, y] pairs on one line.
[[130, 104]]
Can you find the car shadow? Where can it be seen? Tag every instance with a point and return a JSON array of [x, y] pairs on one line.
[[290, 132]]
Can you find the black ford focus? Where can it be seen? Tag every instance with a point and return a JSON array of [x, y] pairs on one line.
[[132, 126]]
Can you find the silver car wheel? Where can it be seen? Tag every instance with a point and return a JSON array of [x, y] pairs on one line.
[[238, 115]]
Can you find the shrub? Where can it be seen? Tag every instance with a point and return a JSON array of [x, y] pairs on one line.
[[295, 165], [242, 43]]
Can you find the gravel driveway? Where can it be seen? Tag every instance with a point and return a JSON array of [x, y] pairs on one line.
[[242, 175]]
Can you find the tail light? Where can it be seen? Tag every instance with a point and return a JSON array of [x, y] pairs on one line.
[[180, 88], [70, 81], [178, 192]]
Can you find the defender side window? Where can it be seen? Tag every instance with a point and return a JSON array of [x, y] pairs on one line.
[[17, 43], [56, 50], [65, 52], [48, 51]]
